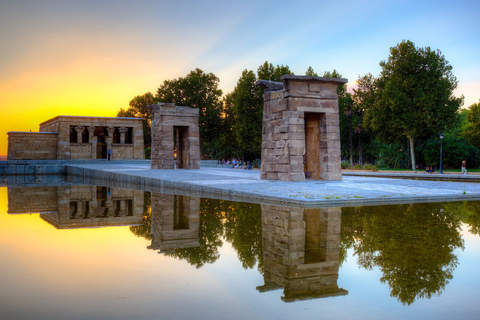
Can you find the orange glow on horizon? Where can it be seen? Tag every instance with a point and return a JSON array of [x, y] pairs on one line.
[[72, 244]]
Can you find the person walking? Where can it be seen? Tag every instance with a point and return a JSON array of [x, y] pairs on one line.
[[464, 167]]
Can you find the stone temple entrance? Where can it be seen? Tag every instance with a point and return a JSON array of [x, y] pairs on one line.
[[175, 137], [181, 146], [301, 132], [313, 152]]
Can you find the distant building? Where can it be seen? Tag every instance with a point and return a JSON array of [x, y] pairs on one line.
[[77, 137]]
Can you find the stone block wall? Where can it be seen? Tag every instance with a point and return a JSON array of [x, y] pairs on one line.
[[301, 251], [32, 145], [284, 128], [99, 132], [168, 120]]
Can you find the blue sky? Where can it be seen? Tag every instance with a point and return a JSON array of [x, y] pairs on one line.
[[93, 57]]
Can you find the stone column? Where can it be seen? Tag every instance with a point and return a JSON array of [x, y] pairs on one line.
[[93, 142], [109, 138], [122, 212], [122, 131], [79, 130], [88, 133]]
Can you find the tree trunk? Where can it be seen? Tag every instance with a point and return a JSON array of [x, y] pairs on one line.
[[412, 153], [360, 149]]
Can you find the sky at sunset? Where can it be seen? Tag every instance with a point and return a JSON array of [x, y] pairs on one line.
[[92, 57]]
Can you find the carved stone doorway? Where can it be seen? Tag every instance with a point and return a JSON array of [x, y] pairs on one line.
[[313, 129], [181, 146]]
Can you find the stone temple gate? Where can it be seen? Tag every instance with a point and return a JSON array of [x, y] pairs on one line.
[[175, 137], [301, 132]]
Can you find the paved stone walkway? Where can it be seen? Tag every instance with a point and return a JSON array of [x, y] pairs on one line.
[[245, 185]]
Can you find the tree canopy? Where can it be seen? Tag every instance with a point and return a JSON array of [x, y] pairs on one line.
[[268, 72], [310, 72], [415, 95], [472, 130], [198, 90], [248, 108], [138, 109]]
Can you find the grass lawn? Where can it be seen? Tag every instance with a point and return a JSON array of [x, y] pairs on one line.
[[444, 170]]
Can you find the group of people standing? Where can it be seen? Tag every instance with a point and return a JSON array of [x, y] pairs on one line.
[[430, 169], [239, 164]]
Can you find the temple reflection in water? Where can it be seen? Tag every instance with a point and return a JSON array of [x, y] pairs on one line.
[[415, 249], [175, 222], [301, 251], [300, 246], [79, 206]]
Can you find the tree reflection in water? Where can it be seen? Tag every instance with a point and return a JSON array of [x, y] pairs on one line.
[[236, 222], [145, 229], [411, 244]]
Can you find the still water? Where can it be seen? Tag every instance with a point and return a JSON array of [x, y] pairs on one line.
[[88, 252]]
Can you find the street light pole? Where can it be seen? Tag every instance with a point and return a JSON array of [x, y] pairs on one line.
[[441, 153]]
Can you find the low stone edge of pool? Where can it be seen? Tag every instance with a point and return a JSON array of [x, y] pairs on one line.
[[78, 174]]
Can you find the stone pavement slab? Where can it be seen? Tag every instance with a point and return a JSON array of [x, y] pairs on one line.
[[246, 185]]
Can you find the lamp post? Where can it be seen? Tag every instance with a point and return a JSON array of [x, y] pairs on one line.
[[441, 139]]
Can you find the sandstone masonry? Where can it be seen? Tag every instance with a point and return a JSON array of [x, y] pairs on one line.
[[175, 137], [301, 133], [75, 138], [301, 251]]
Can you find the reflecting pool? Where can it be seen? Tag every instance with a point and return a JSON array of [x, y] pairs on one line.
[[94, 252]]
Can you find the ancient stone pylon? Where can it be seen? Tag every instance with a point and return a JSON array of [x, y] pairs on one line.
[[301, 132], [175, 137]]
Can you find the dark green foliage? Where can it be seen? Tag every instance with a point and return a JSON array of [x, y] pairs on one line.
[[472, 208], [472, 128], [228, 143], [310, 72], [138, 109], [246, 102], [391, 156], [243, 228], [454, 150], [144, 229], [198, 90], [268, 72], [148, 153], [248, 108], [236, 222], [414, 99]]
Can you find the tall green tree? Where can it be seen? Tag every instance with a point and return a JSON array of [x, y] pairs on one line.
[[198, 90], [415, 97], [472, 130], [138, 109], [229, 147], [268, 72], [248, 106], [310, 72], [364, 98]]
